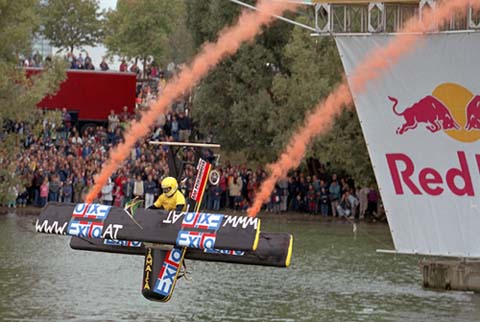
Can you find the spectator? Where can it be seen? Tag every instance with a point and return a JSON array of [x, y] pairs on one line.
[[54, 189], [12, 196], [107, 190], [276, 199], [184, 127], [312, 200], [67, 122], [134, 69], [79, 64], [174, 128], [125, 117], [118, 196], [88, 60], [80, 59], [44, 193], [348, 205], [37, 59], [138, 188], [124, 66], [335, 195], [216, 197], [104, 66], [127, 189], [78, 186], [76, 139], [67, 191], [162, 82], [293, 194], [362, 196], [150, 186], [38, 180], [372, 198], [235, 189], [113, 121], [324, 201], [22, 197], [283, 186]]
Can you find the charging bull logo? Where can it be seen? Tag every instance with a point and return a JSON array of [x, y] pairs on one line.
[[451, 108]]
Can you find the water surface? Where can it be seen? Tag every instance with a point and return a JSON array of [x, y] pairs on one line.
[[335, 275]]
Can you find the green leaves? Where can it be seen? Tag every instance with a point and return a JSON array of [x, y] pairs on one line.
[[18, 20], [18, 93], [148, 28], [70, 24], [253, 102]]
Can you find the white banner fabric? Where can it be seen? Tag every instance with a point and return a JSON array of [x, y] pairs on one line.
[[421, 122]]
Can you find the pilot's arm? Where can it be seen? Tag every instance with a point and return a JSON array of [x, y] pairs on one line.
[[180, 202]]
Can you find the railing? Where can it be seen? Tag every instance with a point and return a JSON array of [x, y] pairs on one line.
[[341, 17]]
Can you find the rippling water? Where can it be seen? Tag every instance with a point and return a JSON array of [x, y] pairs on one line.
[[335, 276]]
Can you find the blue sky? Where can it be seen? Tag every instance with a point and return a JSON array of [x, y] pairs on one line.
[[108, 4]]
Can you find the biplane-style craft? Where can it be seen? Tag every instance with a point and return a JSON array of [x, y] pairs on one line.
[[166, 239]]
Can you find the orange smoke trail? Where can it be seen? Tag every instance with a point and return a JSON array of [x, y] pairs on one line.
[[229, 41], [320, 119]]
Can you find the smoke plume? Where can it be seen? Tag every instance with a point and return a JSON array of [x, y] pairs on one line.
[[320, 120], [229, 41]]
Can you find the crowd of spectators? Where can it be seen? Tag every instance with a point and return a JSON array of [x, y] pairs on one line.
[[83, 61], [61, 164]]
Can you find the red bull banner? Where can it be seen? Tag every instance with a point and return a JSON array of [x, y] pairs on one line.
[[421, 122]]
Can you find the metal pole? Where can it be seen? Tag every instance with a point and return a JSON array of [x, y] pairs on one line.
[[293, 22]]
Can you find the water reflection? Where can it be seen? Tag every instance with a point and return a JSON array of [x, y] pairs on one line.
[[335, 276]]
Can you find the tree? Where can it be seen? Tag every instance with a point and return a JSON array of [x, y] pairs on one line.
[[70, 24], [254, 101], [148, 28], [235, 101], [19, 94], [206, 18], [313, 68]]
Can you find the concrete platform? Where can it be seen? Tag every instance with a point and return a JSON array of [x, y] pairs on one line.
[[459, 274]]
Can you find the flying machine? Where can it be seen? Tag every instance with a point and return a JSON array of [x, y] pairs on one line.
[[166, 239]]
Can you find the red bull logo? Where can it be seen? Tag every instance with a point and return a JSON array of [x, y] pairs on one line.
[[450, 108], [455, 111]]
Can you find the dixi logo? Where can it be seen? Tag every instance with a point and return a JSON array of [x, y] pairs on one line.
[[451, 108]]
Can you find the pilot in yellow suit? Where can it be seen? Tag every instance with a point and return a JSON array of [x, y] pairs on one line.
[[171, 198]]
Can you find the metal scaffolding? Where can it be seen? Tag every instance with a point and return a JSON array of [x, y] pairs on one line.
[[340, 17]]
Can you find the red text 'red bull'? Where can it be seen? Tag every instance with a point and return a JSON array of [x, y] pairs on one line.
[[408, 178]]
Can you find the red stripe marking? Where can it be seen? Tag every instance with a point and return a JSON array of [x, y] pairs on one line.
[[174, 264], [76, 214], [160, 274], [203, 182], [190, 225]]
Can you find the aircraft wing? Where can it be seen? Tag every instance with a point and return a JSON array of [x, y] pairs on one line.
[[274, 249], [186, 229]]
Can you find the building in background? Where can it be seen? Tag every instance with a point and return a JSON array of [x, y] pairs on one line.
[[42, 46]]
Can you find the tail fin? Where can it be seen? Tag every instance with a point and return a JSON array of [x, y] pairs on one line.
[[161, 272]]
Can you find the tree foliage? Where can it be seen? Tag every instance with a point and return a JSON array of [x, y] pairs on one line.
[[19, 94], [148, 28], [18, 20], [253, 102], [206, 18], [70, 24]]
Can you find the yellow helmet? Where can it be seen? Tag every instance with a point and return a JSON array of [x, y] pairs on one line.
[[169, 186]]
